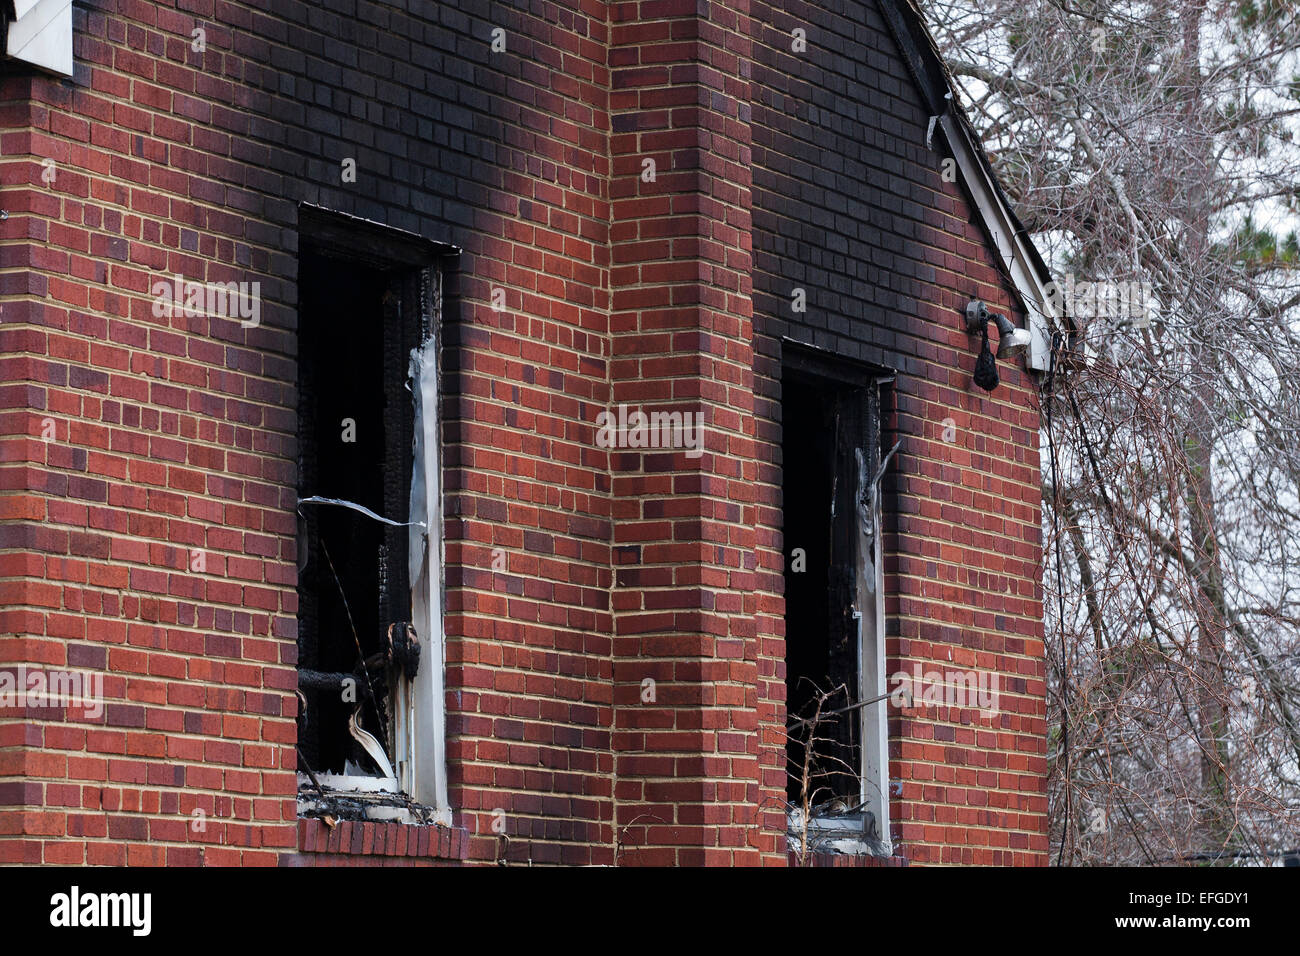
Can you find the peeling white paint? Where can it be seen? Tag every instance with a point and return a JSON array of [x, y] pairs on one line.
[[873, 720], [420, 731]]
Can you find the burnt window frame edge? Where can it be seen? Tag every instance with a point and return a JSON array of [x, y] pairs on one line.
[[335, 235], [847, 834], [375, 244]]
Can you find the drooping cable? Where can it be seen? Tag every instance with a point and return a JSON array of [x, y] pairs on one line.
[[1048, 394]]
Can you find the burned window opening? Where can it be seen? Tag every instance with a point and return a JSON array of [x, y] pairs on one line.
[[355, 423], [832, 465], [370, 724], [821, 636]]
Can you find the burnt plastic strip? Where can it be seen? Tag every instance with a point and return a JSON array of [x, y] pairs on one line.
[[317, 500]]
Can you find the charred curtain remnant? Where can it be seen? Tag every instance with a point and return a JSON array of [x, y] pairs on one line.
[[831, 465]]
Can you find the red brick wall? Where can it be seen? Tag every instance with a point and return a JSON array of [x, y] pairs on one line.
[[175, 436], [686, 760], [889, 254]]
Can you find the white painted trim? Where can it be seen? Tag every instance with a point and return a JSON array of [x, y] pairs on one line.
[[1011, 247], [422, 747], [873, 719], [41, 34]]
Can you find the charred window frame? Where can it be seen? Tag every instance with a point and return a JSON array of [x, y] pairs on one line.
[[370, 583], [837, 729]]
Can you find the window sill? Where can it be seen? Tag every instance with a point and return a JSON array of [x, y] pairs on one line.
[[847, 835], [376, 839], [364, 799], [838, 843]]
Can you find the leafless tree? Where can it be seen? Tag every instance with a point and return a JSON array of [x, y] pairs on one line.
[[815, 765], [1154, 141]]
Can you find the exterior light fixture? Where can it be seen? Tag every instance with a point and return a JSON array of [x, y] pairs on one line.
[[1012, 341]]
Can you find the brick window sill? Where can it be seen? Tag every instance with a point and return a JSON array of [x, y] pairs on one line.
[[381, 839]]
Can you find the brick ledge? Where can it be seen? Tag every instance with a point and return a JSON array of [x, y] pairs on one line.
[[377, 838]]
